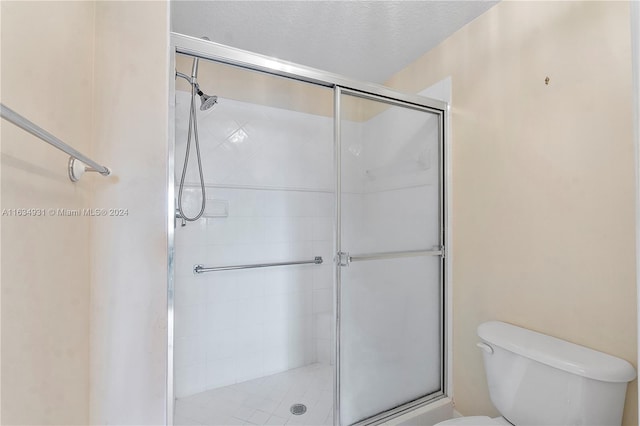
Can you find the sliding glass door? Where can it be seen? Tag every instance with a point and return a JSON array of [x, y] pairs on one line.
[[255, 345], [390, 243]]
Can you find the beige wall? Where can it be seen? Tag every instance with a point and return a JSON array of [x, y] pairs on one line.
[[46, 76], [543, 179], [84, 301], [635, 58], [129, 254]]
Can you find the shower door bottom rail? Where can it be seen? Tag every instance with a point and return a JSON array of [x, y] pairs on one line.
[[199, 269], [344, 259]]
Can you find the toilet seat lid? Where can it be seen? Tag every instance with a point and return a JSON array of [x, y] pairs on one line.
[[470, 421]]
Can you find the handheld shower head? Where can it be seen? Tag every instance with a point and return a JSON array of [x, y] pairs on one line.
[[207, 101]]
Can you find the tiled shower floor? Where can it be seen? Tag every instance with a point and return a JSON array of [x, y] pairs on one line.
[[264, 401]]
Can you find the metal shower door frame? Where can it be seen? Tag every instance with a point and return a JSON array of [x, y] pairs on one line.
[[343, 259], [183, 44]]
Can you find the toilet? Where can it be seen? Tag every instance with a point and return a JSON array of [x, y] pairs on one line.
[[535, 379]]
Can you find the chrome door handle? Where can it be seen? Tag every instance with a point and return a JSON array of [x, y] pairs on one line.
[[344, 258]]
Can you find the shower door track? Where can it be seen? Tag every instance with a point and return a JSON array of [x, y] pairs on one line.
[[397, 411], [231, 56], [183, 44]]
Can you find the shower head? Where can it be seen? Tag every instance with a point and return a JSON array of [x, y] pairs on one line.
[[207, 101]]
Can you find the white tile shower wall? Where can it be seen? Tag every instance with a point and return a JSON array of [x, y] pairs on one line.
[[401, 181], [234, 326], [390, 182], [253, 145]]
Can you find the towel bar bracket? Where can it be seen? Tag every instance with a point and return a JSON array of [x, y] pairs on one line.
[[77, 168]]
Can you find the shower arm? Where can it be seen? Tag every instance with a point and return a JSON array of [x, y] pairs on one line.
[[186, 77], [192, 81]]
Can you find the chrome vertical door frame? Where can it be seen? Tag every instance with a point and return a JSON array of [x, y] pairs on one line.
[[183, 44], [337, 170], [171, 209]]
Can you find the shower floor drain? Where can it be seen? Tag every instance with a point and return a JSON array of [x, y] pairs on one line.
[[298, 409]]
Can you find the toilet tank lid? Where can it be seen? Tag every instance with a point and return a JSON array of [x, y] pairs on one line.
[[557, 353]]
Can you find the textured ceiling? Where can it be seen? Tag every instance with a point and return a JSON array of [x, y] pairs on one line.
[[364, 40]]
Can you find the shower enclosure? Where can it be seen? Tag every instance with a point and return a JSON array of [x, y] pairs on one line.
[[312, 289]]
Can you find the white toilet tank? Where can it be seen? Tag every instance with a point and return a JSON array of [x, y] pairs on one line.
[[537, 380]]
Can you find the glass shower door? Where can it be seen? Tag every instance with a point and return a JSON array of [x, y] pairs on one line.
[[390, 264]]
